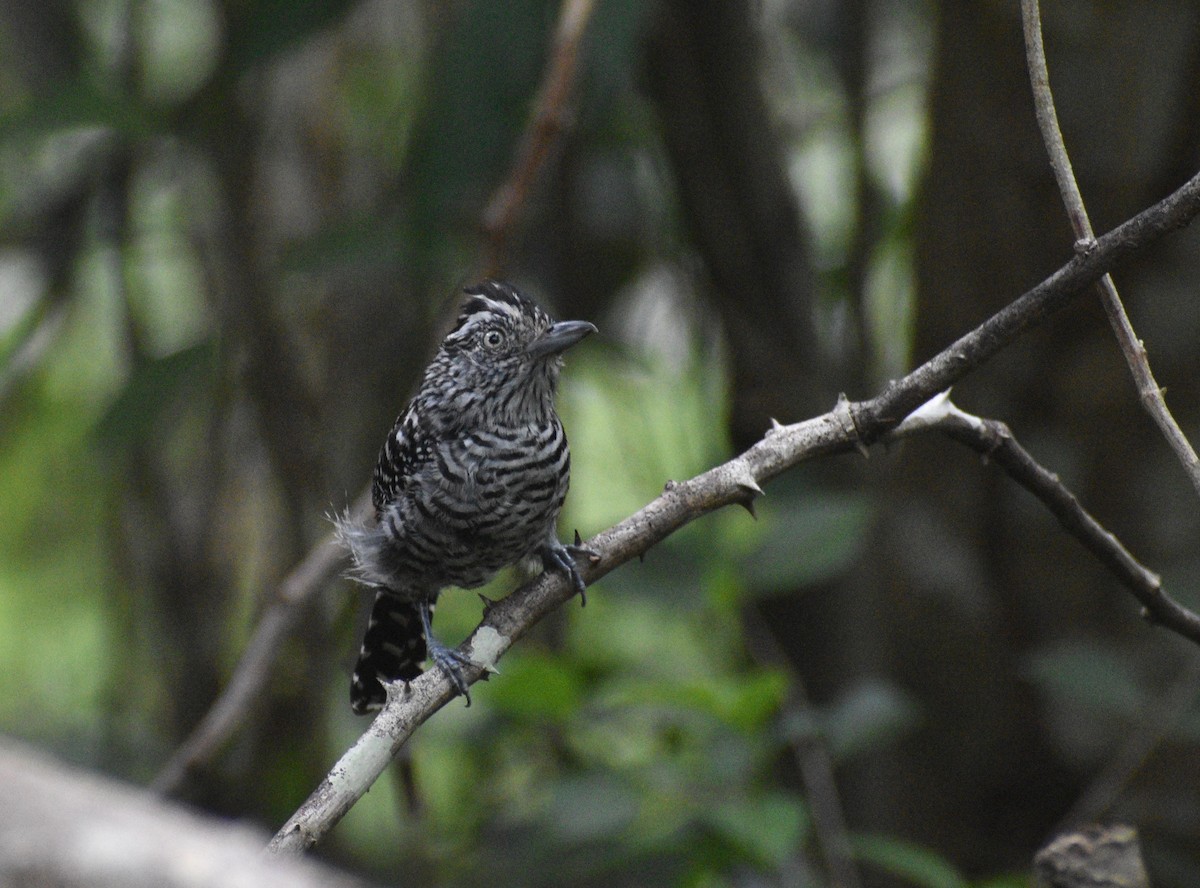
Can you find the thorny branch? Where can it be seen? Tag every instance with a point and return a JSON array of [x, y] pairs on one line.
[[1149, 392], [848, 427], [993, 440]]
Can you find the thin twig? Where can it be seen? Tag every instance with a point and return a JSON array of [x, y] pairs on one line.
[[812, 758], [1149, 391], [547, 123], [306, 580], [1151, 728]]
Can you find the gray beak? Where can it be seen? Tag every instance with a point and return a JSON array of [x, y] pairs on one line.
[[559, 338]]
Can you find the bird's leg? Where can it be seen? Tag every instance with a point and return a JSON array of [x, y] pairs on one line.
[[447, 659], [557, 556]]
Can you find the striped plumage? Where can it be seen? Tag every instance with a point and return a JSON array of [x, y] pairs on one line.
[[470, 479]]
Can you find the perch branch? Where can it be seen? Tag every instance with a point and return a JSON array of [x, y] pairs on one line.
[[737, 481], [1149, 392], [848, 427], [547, 123]]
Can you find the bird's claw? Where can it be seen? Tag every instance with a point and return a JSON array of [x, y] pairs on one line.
[[451, 662], [563, 558], [447, 659]]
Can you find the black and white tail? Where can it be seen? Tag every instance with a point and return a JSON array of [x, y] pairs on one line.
[[393, 648]]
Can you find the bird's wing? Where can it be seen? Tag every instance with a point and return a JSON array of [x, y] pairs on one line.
[[402, 454]]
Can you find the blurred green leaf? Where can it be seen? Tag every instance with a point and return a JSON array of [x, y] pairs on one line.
[[78, 104], [28, 323], [1015, 880], [767, 828], [912, 863], [151, 388], [744, 701], [535, 686], [1089, 674]]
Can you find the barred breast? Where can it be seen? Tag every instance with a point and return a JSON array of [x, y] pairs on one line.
[[483, 501]]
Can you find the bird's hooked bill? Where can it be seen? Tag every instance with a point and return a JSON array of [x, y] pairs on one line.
[[560, 337]]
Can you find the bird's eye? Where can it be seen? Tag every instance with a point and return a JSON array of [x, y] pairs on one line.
[[492, 338]]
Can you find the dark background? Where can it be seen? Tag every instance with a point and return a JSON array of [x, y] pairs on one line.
[[231, 232]]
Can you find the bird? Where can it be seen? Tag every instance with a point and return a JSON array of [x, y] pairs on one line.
[[471, 479]]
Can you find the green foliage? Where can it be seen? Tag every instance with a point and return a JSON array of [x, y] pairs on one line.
[[809, 536], [868, 716], [54, 553], [77, 105], [766, 830], [915, 865], [1011, 881], [537, 687]]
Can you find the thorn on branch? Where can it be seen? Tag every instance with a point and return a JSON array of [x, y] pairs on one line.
[[845, 417]]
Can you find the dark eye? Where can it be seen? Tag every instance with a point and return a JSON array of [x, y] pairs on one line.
[[492, 338]]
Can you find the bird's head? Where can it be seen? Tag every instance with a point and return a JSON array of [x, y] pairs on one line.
[[505, 346]]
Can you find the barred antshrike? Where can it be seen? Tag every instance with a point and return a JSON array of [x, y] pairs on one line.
[[470, 480]]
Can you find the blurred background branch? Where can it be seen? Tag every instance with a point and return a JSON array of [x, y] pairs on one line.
[[55, 818], [1148, 388]]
